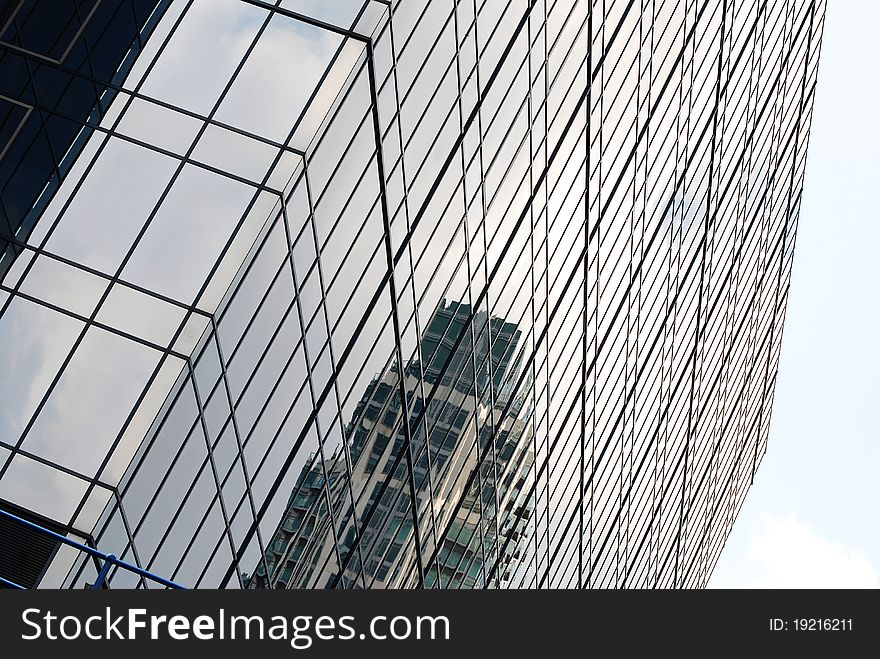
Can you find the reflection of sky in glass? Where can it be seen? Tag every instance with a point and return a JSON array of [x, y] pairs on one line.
[[114, 201]]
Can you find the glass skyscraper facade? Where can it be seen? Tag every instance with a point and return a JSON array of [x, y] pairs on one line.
[[378, 294]]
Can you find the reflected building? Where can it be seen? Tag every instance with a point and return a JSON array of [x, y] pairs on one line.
[[386, 293], [443, 470]]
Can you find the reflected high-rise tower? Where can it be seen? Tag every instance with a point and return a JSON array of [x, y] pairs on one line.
[[491, 470], [373, 293]]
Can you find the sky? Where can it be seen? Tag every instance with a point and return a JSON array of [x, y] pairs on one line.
[[811, 518]]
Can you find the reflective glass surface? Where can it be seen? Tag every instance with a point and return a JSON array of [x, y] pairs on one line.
[[386, 293]]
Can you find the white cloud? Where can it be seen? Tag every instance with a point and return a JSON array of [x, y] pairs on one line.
[[784, 552]]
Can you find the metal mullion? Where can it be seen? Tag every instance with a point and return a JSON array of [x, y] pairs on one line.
[[319, 571], [269, 344], [300, 534], [190, 376], [180, 389], [643, 70], [482, 131], [174, 460], [436, 138], [12, 16], [561, 532], [543, 104], [245, 441], [82, 26], [333, 114], [544, 393], [244, 496], [197, 531], [277, 157], [582, 530], [551, 451], [370, 387], [56, 171], [122, 431], [726, 340], [642, 132], [311, 416], [89, 56], [567, 414], [568, 223], [491, 123], [67, 470], [603, 451], [458, 568], [452, 387], [188, 362], [173, 521], [131, 415], [170, 526], [394, 570], [373, 502], [564, 543], [211, 556], [396, 461], [235, 286], [628, 498], [530, 368]]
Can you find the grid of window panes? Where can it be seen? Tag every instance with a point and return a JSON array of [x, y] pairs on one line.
[[367, 293]]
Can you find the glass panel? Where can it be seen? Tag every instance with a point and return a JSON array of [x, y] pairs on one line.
[[111, 206], [188, 233], [234, 153], [91, 511], [86, 409], [159, 126], [206, 47], [265, 98], [42, 489], [143, 417], [34, 341], [64, 286], [193, 330], [141, 315], [265, 208]]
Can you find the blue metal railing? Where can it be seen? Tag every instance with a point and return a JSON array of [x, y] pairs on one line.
[[109, 560]]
